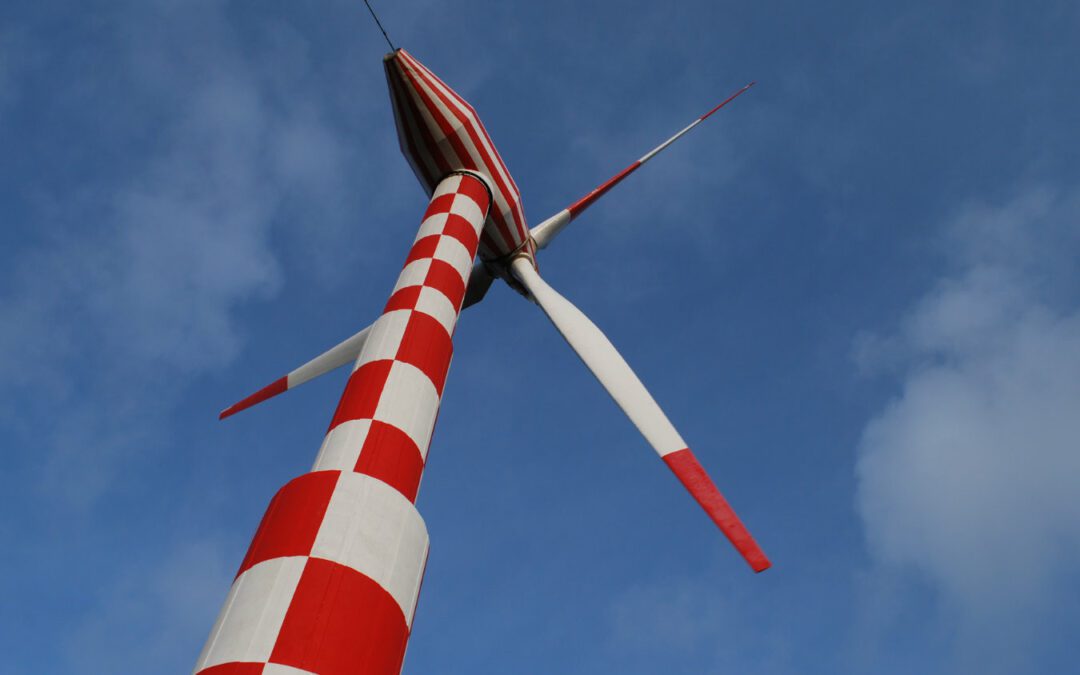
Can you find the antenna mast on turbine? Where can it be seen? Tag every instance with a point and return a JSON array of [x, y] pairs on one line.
[[379, 24]]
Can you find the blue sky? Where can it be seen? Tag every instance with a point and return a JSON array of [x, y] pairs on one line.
[[854, 291]]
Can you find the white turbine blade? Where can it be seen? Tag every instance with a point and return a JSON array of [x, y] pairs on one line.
[[609, 367], [603, 360], [335, 357], [546, 231]]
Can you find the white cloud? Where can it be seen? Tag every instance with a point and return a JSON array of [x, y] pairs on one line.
[[969, 476], [666, 615], [698, 623], [131, 291], [145, 618]]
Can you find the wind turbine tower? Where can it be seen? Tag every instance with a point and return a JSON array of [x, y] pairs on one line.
[[330, 581]]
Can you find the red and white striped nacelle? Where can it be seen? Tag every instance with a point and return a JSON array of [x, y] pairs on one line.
[[440, 133]]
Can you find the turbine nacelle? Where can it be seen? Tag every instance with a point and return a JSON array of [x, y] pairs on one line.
[[440, 133]]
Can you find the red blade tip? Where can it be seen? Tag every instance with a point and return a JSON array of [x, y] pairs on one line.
[[269, 391], [693, 477]]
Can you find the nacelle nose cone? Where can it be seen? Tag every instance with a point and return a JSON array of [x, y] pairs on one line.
[[439, 133]]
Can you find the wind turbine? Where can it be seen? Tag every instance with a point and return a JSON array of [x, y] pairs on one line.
[[330, 582]]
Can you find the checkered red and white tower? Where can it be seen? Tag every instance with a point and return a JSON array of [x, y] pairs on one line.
[[330, 582]]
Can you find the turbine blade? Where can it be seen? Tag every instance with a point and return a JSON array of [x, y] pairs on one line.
[[605, 362], [546, 231], [332, 358], [335, 357]]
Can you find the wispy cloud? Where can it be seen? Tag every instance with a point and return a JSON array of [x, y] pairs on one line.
[[969, 475], [132, 292], [143, 617], [695, 623]]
